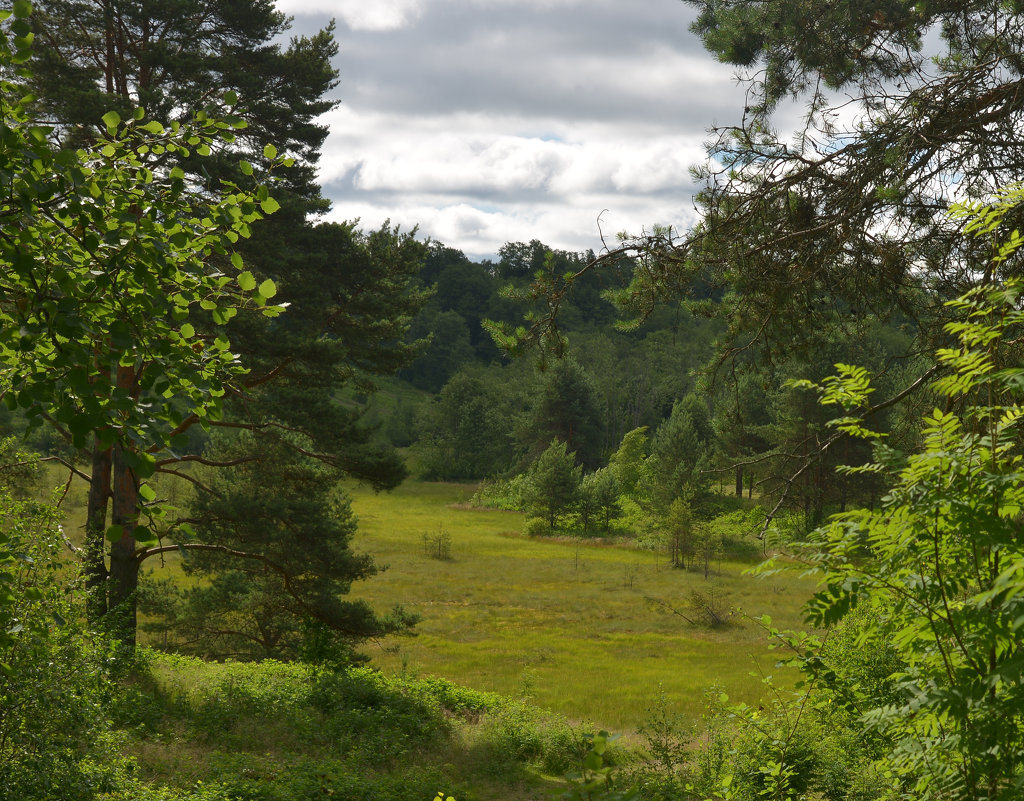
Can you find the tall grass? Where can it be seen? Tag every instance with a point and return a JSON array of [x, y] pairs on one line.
[[585, 629]]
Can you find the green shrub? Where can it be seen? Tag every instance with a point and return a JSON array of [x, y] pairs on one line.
[[536, 527], [200, 791], [54, 739], [260, 778], [504, 494], [454, 698], [515, 736], [268, 697]]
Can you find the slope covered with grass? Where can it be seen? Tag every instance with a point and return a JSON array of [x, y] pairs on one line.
[[271, 731]]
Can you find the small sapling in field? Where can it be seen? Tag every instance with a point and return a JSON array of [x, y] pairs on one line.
[[438, 545]]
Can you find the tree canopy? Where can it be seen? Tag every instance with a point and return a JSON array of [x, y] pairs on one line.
[[156, 286], [924, 590], [175, 58], [113, 318], [908, 106]]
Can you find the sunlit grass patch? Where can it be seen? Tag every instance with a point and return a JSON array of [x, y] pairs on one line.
[[589, 630]]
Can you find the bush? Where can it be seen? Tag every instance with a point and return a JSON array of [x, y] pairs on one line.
[[262, 778], [505, 494], [536, 527], [515, 736], [54, 739]]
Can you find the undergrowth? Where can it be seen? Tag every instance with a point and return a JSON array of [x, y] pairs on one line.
[[273, 731]]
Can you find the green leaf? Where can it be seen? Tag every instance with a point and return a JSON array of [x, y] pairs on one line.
[[231, 97], [147, 493], [236, 260], [269, 151], [269, 205], [143, 463], [115, 533], [143, 535], [268, 289], [22, 8], [111, 119], [246, 281], [188, 331]]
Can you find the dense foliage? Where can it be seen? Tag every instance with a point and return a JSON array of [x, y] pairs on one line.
[[166, 333], [107, 267], [55, 742]]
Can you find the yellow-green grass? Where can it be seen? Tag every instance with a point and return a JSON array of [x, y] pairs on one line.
[[579, 628], [582, 629]]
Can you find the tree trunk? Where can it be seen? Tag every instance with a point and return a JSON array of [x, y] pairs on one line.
[[108, 41], [124, 565], [739, 481], [95, 530]]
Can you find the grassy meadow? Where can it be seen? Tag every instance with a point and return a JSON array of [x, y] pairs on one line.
[[524, 644], [582, 628]]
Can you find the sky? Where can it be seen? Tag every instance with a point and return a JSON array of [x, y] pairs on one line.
[[489, 121]]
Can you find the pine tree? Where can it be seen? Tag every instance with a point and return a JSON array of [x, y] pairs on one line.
[[552, 482], [177, 57], [568, 408], [909, 106], [350, 294], [680, 450], [273, 563]]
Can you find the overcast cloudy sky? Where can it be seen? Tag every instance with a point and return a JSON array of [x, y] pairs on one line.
[[486, 121]]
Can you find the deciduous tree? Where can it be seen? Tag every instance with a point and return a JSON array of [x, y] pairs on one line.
[[106, 278], [350, 293], [930, 583], [467, 432]]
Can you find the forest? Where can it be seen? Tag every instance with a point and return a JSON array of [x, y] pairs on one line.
[[295, 509]]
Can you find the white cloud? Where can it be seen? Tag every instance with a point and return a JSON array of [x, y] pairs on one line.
[[479, 232], [486, 121], [359, 15], [473, 153]]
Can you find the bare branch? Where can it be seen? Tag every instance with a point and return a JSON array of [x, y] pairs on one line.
[[71, 468]]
